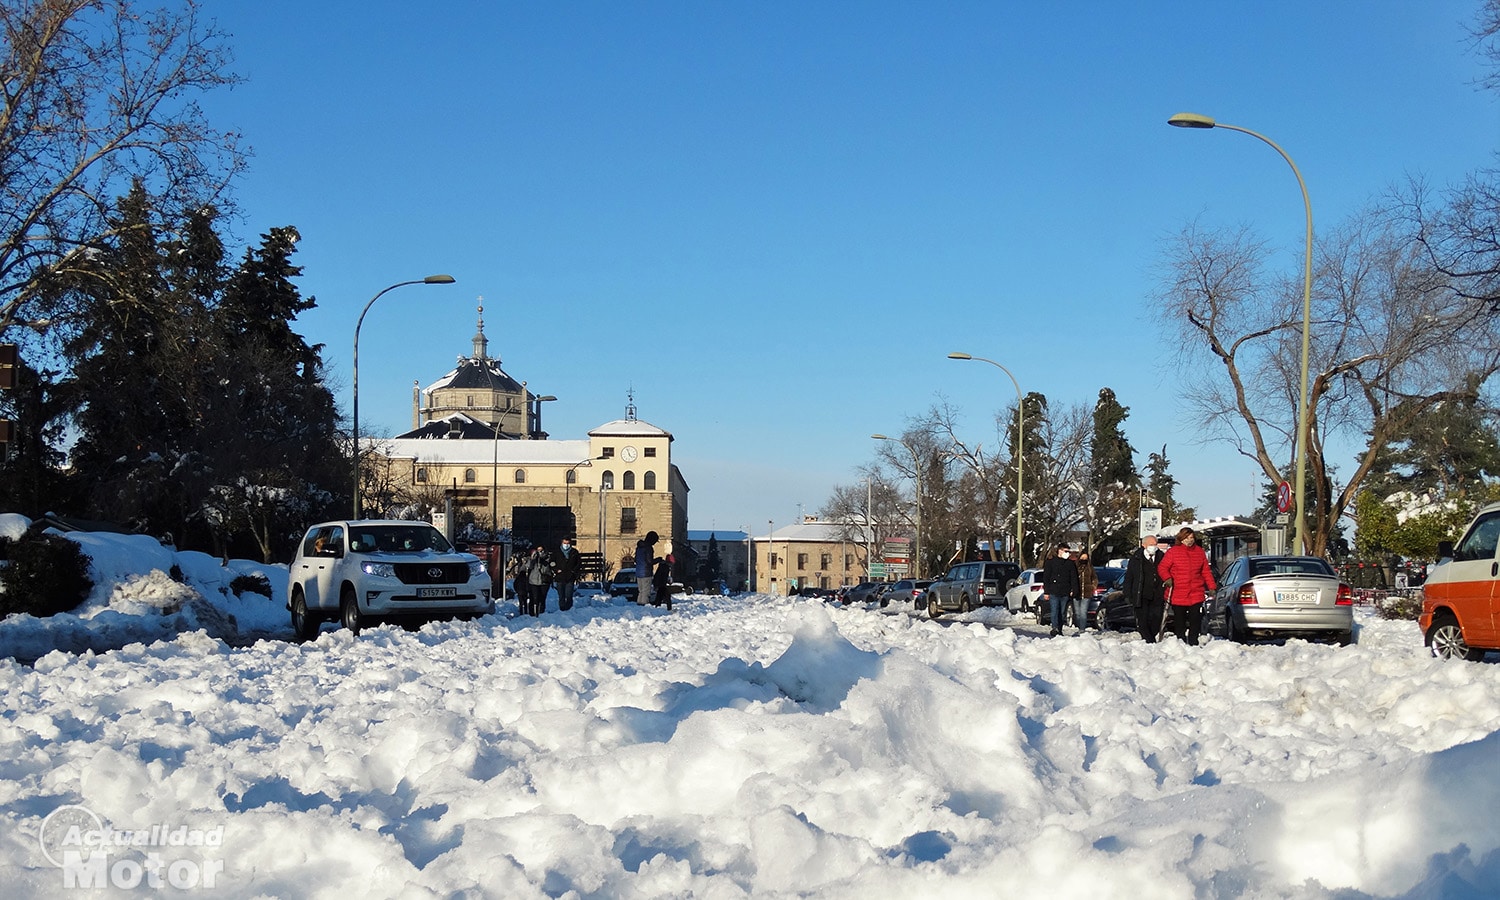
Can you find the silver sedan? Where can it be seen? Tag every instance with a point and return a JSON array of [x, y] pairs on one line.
[[1263, 597]]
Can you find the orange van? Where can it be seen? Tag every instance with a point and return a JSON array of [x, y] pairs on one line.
[[1461, 597]]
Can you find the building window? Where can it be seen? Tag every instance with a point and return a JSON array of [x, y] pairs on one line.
[[648, 481], [773, 561], [629, 481], [572, 477], [848, 561], [468, 476], [801, 561], [627, 520], [421, 476], [607, 481], [469, 401], [824, 562], [650, 451], [608, 453], [520, 476]]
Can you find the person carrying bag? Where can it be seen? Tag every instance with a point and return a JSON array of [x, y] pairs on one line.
[[1185, 573]]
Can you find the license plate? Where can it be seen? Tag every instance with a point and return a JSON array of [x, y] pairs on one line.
[[1296, 596], [423, 593]]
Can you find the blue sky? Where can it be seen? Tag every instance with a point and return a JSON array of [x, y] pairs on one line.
[[773, 221]]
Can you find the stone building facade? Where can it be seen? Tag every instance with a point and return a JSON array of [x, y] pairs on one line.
[[477, 439]]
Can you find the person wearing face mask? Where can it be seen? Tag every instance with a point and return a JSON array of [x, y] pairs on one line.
[[565, 573], [1060, 586], [1185, 571], [1143, 588]]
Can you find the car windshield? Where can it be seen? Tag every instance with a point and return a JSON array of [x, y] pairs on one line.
[[414, 538], [1289, 566], [1109, 577]]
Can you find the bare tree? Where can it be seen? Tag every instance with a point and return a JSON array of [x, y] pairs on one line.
[[98, 94], [1389, 339]]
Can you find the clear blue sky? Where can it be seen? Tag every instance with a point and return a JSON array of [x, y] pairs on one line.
[[774, 220]]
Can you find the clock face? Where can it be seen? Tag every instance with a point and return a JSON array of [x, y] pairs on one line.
[[628, 454]]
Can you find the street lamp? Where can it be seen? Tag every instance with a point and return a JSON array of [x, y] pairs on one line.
[[1020, 435], [430, 279], [568, 485], [916, 464], [1193, 120], [536, 415]]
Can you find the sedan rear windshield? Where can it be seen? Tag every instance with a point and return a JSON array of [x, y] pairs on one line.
[[1289, 567], [414, 538]]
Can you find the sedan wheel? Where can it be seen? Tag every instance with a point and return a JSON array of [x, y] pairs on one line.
[[349, 611], [933, 610], [1231, 630], [1447, 641]]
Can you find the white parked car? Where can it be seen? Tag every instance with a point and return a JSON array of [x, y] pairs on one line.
[[356, 572], [1028, 590]]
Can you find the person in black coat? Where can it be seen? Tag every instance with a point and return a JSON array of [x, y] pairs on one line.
[[661, 580], [1060, 586], [565, 573], [1144, 588]]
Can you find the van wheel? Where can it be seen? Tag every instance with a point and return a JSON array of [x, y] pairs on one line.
[[1446, 639], [933, 610], [304, 626], [349, 611]]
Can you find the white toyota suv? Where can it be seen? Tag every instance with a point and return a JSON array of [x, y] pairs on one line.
[[367, 570]]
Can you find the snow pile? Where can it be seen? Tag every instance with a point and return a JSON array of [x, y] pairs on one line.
[[136, 600], [751, 747]]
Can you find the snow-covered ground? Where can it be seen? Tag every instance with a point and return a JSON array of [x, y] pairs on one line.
[[736, 747]]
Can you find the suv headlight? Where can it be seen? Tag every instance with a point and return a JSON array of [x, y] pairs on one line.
[[378, 569], [476, 568]]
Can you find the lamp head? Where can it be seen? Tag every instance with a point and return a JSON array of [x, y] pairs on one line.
[[959, 356], [879, 437], [1191, 120], [544, 398], [439, 279]]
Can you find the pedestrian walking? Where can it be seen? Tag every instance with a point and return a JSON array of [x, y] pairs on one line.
[[538, 579], [662, 582], [566, 573], [1185, 571], [518, 581], [1088, 585], [644, 559], [1144, 590], [1060, 585]]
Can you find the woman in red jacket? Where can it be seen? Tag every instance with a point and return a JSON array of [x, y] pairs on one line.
[[1185, 570]]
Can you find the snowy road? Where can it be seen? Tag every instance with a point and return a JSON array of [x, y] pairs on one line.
[[758, 747]]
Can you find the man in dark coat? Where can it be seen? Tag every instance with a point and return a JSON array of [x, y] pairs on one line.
[[565, 573], [1144, 589], [1060, 586]]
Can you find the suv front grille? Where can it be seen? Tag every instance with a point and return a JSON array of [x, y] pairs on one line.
[[432, 573]]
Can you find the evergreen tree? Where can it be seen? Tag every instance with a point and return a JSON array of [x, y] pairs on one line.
[[127, 378], [714, 562], [1448, 452], [290, 464], [1114, 486], [1161, 488]]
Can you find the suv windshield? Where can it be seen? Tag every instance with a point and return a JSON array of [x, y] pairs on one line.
[[414, 538]]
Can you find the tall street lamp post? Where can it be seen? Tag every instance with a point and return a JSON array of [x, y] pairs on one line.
[[1020, 437], [568, 484], [1299, 524], [916, 465], [430, 279]]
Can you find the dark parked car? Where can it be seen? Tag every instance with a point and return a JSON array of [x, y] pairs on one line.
[[1282, 596], [818, 593]]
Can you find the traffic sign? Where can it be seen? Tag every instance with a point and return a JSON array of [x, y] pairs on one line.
[[1284, 497]]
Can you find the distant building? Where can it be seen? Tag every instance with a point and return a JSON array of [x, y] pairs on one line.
[[477, 437], [812, 552], [734, 557]]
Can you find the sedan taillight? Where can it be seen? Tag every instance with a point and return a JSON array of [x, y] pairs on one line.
[[1346, 596], [1247, 595]]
